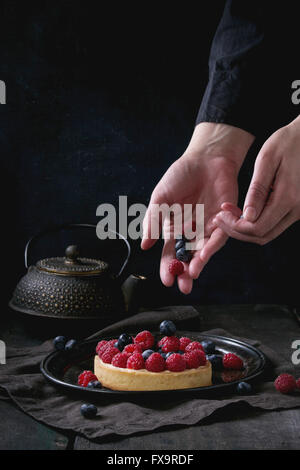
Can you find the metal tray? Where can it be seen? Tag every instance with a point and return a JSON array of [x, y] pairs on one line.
[[62, 368]]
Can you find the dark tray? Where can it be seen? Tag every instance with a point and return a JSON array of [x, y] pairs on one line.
[[62, 368]]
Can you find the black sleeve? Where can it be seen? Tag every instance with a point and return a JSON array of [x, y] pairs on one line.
[[238, 71]]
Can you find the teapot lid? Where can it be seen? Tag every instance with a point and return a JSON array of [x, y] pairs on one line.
[[72, 265]]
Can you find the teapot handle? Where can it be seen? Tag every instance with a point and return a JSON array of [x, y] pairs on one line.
[[67, 226]]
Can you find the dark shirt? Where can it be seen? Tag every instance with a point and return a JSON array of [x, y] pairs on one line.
[[251, 69]]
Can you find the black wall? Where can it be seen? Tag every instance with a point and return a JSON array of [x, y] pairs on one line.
[[100, 103]]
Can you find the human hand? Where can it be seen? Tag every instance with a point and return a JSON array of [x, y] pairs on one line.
[[272, 203], [205, 174]]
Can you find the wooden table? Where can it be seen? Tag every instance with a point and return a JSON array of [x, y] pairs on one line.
[[232, 428]]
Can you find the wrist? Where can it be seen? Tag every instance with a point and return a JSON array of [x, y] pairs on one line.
[[211, 140]]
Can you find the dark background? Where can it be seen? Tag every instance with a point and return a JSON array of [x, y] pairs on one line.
[[100, 101]]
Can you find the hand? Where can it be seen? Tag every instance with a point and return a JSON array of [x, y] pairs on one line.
[[205, 174], [272, 203]]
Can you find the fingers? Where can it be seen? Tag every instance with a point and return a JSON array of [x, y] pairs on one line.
[[232, 226], [262, 179], [276, 208], [197, 264], [185, 283], [227, 206], [212, 244], [148, 226], [272, 214], [168, 254], [216, 241]]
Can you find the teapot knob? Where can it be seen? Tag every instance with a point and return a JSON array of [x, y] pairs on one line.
[[72, 254]]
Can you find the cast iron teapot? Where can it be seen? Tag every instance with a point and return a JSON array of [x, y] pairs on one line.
[[75, 287]]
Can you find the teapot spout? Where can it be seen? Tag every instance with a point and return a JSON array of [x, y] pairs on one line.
[[132, 289]]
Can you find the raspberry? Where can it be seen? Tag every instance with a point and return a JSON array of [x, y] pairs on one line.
[[194, 345], [176, 267], [184, 342], [285, 383], [231, 361], [108, 354], [136, 361], [194, 359], [120, 360], [131, 348], [85, 377], [298, 383], [145, 339], [161, 341], [155, 363], [101, 345], [170, 344], [175, 363], [111, 342]]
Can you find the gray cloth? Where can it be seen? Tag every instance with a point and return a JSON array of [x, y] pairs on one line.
[[22, 381]]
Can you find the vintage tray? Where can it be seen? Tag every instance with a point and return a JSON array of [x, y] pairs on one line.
[[62, 368]]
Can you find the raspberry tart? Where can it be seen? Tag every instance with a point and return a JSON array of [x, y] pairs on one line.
[[165, 365]]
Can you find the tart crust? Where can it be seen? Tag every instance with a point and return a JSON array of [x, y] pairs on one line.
[[117, 378]]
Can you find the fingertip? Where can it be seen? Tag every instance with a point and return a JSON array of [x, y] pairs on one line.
[[218, 217], [194, 273], [147, 243], [195, 269], [167, 280], [227, 217], [185, 283], [186, 290], [226, 206], [250, 214], [229, 207], [143, 245]]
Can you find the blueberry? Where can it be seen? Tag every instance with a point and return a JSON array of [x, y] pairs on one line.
[[116, 345], [216, 361], [169, 354], [147, 354], [183, 255], [243, 388], [88, 410], [94, 384], [167, 328], [179, 244], [123, 340], [71, 345], [180, 352], [209, 347], [59, 342], [164, 355]]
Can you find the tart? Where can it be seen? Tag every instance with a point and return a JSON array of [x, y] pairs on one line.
[[117, 378], [146, 363]]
